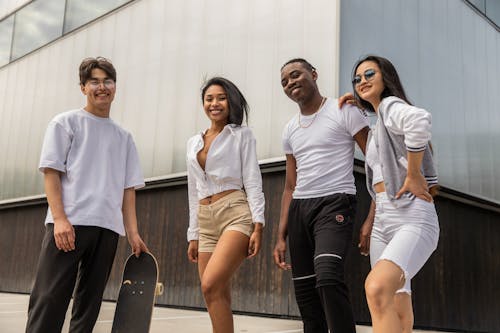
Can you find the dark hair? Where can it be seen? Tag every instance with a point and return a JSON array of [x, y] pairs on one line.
[[88, 64], [390, 78], [238, 106], [392, 87], [304, 63]]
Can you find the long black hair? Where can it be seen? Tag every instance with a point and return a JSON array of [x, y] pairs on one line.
[[390, 78], [238, 106]]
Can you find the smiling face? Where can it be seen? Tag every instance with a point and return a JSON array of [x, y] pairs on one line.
[[100, 91], [216, 104], [298, 82], [369, 83]]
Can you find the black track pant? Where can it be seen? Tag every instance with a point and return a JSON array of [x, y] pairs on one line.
[[88, 266], [320, 234]]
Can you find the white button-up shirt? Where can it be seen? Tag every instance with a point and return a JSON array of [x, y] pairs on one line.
[[231, 165]]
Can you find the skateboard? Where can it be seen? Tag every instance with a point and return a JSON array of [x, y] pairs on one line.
[[134, 306]]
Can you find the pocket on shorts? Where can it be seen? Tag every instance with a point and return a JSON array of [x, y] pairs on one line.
[[423, 204], [238, 201]]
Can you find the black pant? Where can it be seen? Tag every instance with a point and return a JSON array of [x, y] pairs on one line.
[[320, 233], [88, 266]]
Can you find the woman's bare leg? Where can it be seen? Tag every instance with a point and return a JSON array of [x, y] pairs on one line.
[[381, 285], [216, 270], [404, 308]]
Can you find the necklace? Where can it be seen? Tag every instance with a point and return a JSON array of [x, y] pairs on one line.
[[315, 114]]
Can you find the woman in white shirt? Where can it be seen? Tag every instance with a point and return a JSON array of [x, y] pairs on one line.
[[401, 178], [226, 202]]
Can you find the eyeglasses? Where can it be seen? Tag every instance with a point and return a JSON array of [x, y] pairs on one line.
[[368, 74], [108, 83]]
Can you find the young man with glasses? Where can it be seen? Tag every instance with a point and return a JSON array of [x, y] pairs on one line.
[[91, 170], [318, 203]]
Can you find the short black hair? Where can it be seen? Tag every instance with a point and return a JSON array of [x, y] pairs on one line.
[[304, 63], [238, 106]]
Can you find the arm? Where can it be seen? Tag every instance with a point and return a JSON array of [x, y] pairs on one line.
[[252, 182], [290, 182], [347, 98], [361, 138], [366, 230], [255, 242], [193, 229], [64, 233], [415, 124], [415, 181], [130, 221]]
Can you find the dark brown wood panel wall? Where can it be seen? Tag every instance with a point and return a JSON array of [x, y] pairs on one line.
[[21, 233], [456, 289], [258, 286]]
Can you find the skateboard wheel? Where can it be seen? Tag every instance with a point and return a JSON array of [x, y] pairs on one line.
[[159, 289]]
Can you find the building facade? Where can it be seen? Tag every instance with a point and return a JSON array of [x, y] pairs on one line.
[[445, 51]]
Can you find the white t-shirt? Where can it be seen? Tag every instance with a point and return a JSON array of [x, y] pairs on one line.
[[373, 161], [98, 160], [231, 164], [324, 151]]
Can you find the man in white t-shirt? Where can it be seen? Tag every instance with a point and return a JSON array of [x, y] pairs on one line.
[[91, 170], [318, 203]]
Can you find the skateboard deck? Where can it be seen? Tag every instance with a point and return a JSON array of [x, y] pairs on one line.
[[134, 306]]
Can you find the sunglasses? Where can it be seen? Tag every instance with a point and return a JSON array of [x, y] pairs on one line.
[[368, 74]]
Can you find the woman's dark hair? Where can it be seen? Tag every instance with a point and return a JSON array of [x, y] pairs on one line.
[[390, 78], [392, 87], [238, 106], [88, 64]]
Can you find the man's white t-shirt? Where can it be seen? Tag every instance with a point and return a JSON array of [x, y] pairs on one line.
[[324, 149], [98, 160]]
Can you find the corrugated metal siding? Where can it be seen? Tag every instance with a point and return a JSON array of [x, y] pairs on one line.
[[163, 50], [9, 6], [448, 59]]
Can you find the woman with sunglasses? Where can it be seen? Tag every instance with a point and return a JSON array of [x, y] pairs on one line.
[[401, 179], [226, 202]]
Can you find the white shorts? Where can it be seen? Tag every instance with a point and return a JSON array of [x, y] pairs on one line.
[[406, 236]]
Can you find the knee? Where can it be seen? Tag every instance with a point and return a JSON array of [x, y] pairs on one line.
[[213, 290], [329, 270], [208, 288], [377, 293]]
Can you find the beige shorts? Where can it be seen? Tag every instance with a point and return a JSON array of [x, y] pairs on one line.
[[230, 212]]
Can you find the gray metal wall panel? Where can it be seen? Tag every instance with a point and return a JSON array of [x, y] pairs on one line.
[[163, 51], [9, 6], [448, 59]]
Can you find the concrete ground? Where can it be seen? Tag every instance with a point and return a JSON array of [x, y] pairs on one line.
[[13, 309]]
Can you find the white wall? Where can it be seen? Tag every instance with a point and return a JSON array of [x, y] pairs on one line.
[[163, 51], [9, 6]]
